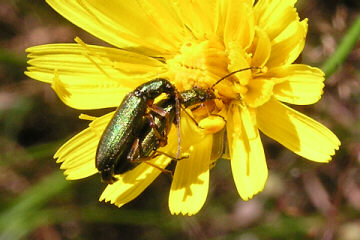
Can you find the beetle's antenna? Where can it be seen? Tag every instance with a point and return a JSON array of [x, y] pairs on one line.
[[232, 73]]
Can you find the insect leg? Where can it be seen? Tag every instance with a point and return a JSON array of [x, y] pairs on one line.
[[161, 138], [169, 156], [161, 169], [136, 147], [191, 117]]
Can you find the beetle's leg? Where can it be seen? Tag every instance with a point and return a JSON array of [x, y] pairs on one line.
[[162, 137], [159, 110], [196, 107], [169, 156], [157, 153], [154, 154], [134, 150], [161, 169], [191, 117]]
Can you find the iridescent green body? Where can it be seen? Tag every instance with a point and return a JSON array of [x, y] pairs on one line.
[[130, 123], [196, 95], [124, 127], [148, 140], [119, 134]]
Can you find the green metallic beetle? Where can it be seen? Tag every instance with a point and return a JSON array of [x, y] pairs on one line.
[[126, 124], [135, 132], [154, 132]]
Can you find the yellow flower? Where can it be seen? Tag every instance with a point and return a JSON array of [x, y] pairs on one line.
[[191, 43]]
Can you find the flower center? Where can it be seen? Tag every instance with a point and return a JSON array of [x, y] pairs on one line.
[[201, 64]]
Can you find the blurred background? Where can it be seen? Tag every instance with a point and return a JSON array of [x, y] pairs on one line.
[[302, 199]]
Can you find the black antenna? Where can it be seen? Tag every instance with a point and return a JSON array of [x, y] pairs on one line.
[[232, 73]]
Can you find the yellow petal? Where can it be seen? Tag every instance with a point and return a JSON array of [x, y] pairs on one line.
[[238, 60], [190, 184], [84, 170], [273, 16], [149, 26], [198, 16], [132, 183], [250, 2], [78, 154], [259, 92], [280, 21], [248, 163], [218, 147], [297, 83], [261, 48], [190, 132], [286, 47], [90, 77], [239, 23], [299, 133]]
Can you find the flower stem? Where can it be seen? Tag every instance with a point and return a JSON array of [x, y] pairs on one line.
[[346, 45]]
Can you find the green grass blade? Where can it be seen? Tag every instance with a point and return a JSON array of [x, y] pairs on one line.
[[345, 47], [18, 218]]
